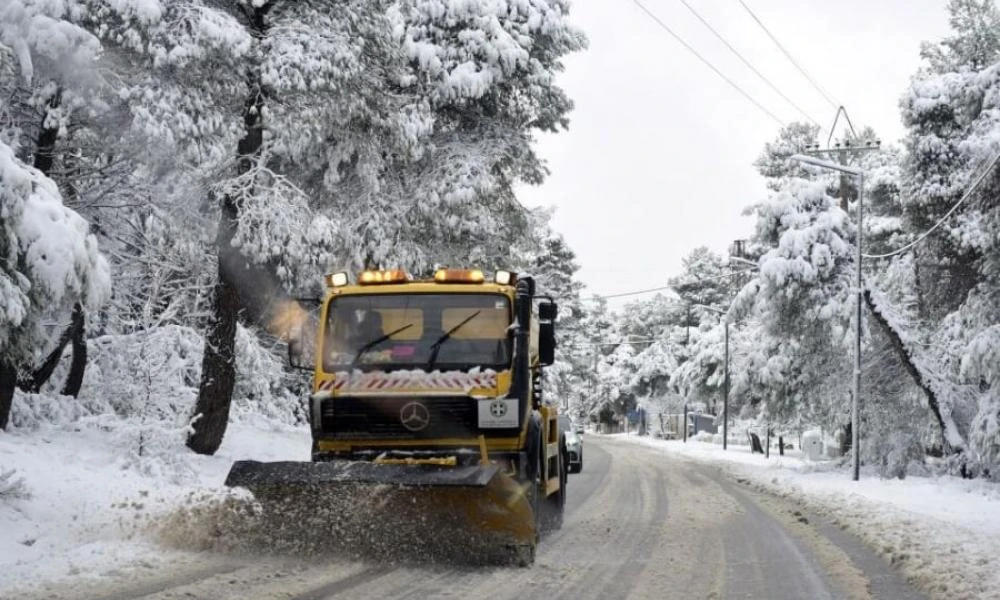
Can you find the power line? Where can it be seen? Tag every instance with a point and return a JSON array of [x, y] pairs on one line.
[[631, 342], [747, 63], [941, 221], [789, 56], [667, 287], [635, 293], [705, 61]]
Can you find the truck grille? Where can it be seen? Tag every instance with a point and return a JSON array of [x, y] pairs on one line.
[[385, 418]]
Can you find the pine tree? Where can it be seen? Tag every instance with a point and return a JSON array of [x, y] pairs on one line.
[[50, 262], [478, 95], [800, 296], [948, 103], [553, 265], [950, 111]]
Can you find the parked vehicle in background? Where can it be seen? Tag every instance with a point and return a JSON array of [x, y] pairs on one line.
[[574, 444], [574, 447]]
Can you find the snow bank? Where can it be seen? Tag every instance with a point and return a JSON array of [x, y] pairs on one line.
[[942, 533], [83, 507]]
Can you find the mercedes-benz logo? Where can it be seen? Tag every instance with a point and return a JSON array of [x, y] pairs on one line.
[[498, 408], [414, 416]]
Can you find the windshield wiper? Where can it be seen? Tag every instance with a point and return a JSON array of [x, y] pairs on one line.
[[371, 344], [436, 346]]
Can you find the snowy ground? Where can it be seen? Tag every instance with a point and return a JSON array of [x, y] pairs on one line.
[[942, 533], [90, 502], [92, 499]]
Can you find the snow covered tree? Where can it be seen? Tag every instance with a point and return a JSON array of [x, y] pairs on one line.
[[553, 265], [52, 87], [50, 262], [456, 116], [449, 134], [702, 284], [598, 328], [948, 110], [701, 376], [640, 352], [800, 296], [774, 164]]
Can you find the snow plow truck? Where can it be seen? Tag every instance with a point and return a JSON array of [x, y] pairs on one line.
[[430, 391]]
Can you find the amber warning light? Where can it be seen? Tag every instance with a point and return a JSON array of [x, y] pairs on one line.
[[379, 277], [459, 276]]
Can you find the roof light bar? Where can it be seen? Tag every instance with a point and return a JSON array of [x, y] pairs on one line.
[[382, 277], [459, 276]]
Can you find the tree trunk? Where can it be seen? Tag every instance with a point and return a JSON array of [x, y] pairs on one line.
[[218, 367], [44, 372], [8, 383], [78, 365], [948, 431], [47, 136], [44, 161]]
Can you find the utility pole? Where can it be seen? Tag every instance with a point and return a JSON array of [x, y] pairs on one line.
[[738, 252], [725, 391], [593, 384], [687, 326], [842, 153]]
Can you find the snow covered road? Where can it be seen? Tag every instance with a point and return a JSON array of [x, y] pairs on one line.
[[640, 524]]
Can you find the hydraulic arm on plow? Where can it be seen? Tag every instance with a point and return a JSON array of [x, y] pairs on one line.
[[431, 387]]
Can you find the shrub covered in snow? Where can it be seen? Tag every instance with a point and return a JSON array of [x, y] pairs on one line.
[[141, 387], [263, 386]]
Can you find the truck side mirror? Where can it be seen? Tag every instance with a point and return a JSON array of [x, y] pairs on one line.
[[546, 343], [297, 321], [548, 311], [296, 356]]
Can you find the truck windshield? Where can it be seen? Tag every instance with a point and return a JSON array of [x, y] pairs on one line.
[[455, 331]]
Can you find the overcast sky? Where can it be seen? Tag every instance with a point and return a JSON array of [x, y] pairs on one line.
[[658, 157]]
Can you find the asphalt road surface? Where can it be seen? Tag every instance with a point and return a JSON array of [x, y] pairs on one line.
[[639, 524]]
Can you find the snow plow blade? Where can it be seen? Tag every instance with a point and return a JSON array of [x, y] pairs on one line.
[[478, 505], [251, 474]]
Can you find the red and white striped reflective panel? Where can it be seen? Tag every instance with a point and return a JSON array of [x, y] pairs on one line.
[[410, 381]]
